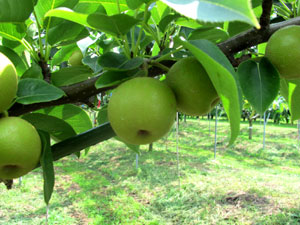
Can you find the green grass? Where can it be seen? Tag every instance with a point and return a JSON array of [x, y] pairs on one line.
[[243, 185]]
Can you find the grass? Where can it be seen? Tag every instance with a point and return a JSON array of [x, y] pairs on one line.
[[243, 185]]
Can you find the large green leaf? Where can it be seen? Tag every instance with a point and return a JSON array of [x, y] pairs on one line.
[[57, 128], [215, 10], [65, 31], [14, 32], [34, 90], [73, 115], [43, 6], [119, 62], [290, 89], [46, 162], [116, 25], [260, 83], [15, 11], [71, 75], [222, 75], [15, 59]]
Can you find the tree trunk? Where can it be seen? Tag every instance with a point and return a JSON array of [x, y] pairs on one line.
[[150, 147], [250, 128]]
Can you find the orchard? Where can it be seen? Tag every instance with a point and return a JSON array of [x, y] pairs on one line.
[[146, 61]]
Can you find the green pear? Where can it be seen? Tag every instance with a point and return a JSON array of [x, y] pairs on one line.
[[283, 50], [8, 82], [142, 110], [76, 58], [194, 91], [20, 147]]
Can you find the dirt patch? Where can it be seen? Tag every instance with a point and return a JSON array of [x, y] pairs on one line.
[[80, 217], [243, 199]]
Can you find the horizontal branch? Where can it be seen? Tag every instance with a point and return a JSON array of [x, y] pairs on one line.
[[253, 37], [82, 141], [80, 92], [76, 93]]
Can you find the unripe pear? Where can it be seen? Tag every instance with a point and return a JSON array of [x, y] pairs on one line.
[[20, 147], [142, 110], [194, 91], [8, 82], [283, 50], [75, 58]]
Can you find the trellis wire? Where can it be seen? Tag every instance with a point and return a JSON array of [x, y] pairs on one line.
[[216, 125], [177, 149], [265, 124], [137, 161]]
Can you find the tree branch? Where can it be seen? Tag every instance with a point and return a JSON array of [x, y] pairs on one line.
[[81, 91], [76, 93], [266, 13], [252, 37]]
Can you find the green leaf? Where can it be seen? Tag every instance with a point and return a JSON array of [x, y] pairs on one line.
[[119, 62], [212, 34], [166, 21], [43, 6], [89, 6], [260, 83], [92, 62], [69, 32], [35, 71], [71, 75], [65, 31], [134, 4], [34, 91], [215, 11], [14, 32], [15, 11], [57, 128], [222, 75], [112, 78], [290, 90], [72, 114], [46, 162], [102, 115], [116, 25], [237, 27], [63, 54], [111, 6], [15, 59]]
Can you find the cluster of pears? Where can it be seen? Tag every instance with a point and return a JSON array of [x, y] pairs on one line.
[[20, 144], [143, 109]]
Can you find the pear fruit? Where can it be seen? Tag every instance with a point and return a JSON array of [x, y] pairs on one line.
[[193, 89], [142, 110]]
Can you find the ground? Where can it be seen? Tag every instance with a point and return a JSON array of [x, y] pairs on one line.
[[245, 184]]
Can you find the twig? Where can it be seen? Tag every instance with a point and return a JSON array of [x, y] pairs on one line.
[[266, 13]]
